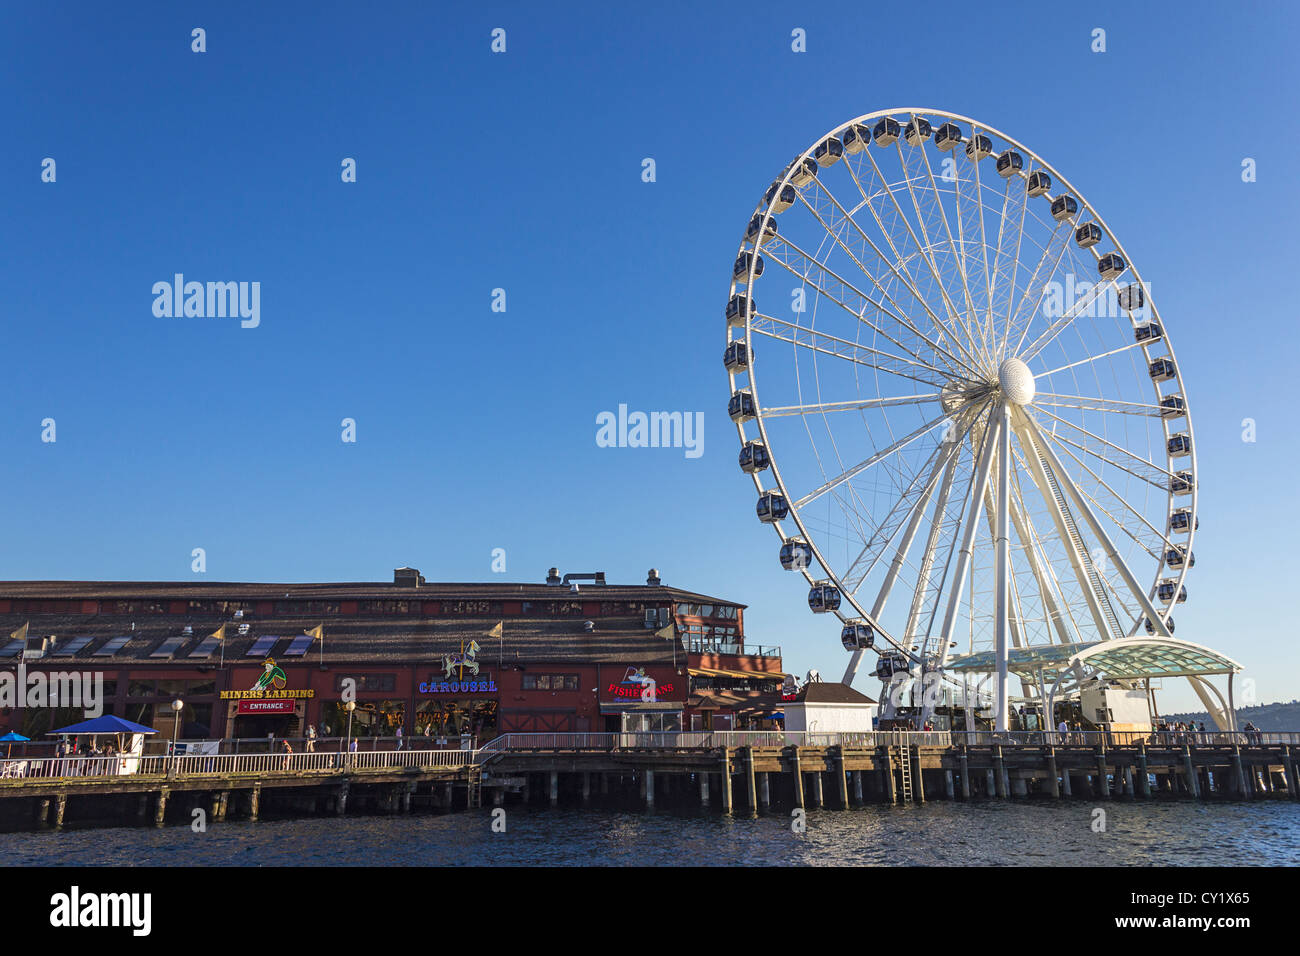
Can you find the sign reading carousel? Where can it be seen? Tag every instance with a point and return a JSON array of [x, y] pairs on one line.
[[454, 667]]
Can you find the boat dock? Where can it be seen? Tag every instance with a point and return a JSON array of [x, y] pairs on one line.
[[732, 771]]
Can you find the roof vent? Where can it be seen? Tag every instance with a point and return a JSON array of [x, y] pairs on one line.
[[407, 577], [553, 576], [37, 647], [652, 579], [589, 626], [596, 577]]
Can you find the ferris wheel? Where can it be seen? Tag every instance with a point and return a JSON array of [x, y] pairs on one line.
[[959, 407]]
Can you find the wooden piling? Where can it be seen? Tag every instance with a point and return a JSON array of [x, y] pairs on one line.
[[751, 786], [726, 780], [254, 800], [843, 778], [797, 778], [1053, 783], [1144, 783], [965, 774], [160, 807]]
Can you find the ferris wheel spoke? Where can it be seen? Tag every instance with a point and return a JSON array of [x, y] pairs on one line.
[[1112, 553], [1088, 403], [885, 531], [1064, 322], [849, 406], [1137, 514], [904, 276], [1092, 358], [1015, 262], [969, 362], [973, 181], [1060, 235], [827, 344], [847, 291], [1162, 478], [926, 250], [958, 257], [874, 459], [996, 273]]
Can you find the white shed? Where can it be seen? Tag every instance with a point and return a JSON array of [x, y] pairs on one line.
[[830, 708]]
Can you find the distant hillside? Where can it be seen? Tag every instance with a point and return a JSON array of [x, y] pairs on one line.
[[1276, 716]]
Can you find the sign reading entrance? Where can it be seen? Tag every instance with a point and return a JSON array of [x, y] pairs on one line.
[[264, 707]]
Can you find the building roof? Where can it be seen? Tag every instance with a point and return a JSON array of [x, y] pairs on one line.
[[351, 639], [830, 692], [241, 590]]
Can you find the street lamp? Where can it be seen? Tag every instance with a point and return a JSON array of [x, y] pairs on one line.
[[350, 706], [177, 706]]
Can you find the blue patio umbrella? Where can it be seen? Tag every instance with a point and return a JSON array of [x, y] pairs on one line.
[[107, 724], [12, 738]]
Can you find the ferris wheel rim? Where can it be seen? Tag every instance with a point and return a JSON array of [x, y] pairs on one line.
[[764, 213]]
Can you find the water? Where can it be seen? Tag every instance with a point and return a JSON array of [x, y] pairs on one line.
[[935, 834]]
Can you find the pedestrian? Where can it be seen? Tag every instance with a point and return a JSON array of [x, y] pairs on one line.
[[288, 754], [1063, 731], [400, 741], [311, 739]]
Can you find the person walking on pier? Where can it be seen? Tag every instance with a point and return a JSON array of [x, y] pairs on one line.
[[288, 754], [311, 739], [400, 741]]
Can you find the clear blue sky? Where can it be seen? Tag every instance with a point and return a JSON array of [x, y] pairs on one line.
[[476, 429]]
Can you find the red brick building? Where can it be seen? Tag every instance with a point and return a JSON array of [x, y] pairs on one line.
[[573, 654]]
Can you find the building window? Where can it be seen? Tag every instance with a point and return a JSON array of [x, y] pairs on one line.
[[550, 682], [371, 683]]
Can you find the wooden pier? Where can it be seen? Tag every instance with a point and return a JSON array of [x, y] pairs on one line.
[[732, 779]]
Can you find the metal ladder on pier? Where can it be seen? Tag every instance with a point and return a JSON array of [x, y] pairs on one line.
[[475, 784], [905, 753]]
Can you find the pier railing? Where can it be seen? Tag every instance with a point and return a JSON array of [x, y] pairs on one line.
[[227, 764], [710, 739]]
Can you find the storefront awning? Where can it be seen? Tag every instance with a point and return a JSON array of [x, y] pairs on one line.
[[637, 706], [755, 675]]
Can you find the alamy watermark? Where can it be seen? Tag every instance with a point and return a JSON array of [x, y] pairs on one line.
[[76, 689], [651, 430], [212, 300]]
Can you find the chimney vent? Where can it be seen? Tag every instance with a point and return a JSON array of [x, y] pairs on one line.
[[652, 579], [553, 576], [407, 577]]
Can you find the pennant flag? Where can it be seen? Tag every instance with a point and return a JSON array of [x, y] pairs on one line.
[[668, 632], [317, 632], [220, 633], [20, 634], [498, 630]]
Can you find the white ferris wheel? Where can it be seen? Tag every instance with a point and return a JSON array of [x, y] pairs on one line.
[[958, 404]]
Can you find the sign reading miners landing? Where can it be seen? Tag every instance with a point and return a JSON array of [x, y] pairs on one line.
[[269, 689]]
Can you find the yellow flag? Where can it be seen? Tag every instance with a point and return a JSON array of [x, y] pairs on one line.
[[498, 630], [219, 633], [668, 632], [318, 632], [20, 634]]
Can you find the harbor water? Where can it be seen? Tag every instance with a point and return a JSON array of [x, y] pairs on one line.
[[992, 833]]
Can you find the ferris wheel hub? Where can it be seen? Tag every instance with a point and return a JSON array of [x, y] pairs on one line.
[[1016, 382]]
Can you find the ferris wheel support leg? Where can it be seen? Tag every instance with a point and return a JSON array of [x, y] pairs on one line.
[[968, 538], [1039, 477], [1071, 490], [1003, 600]]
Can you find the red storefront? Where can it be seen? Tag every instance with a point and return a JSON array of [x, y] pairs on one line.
[[252, 660]]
